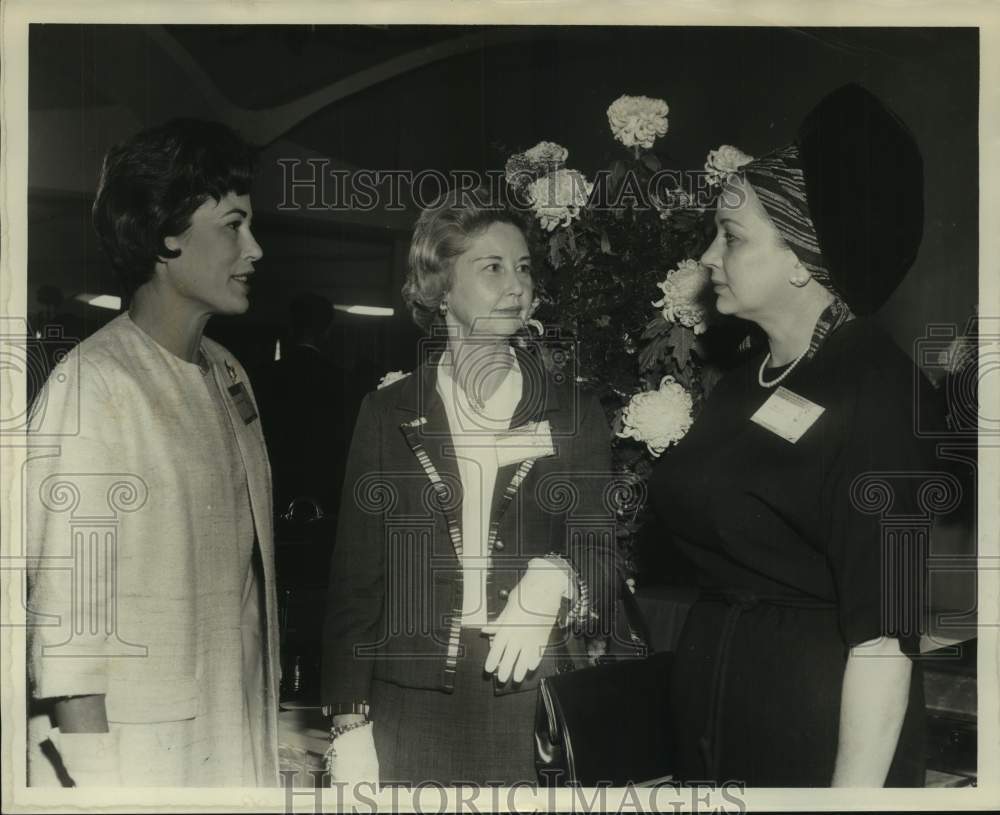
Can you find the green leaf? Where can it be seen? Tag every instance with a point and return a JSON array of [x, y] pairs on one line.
[[618, 169], [656, 327], [554, 258], [616, 424], [652, 353], [681, 340]]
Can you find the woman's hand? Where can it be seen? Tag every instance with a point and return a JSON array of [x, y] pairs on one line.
[[522, 630], [351, 758]]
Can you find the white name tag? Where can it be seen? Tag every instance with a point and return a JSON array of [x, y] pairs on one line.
[[532, 440], [787, 414]]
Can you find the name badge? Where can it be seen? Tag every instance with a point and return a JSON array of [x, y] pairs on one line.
[[787, 414], [243, 403], [532, 440]]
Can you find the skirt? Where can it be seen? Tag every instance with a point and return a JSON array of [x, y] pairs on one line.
[[469, 736], [764, 709]]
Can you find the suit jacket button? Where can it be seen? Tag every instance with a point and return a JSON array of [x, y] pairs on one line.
[[498, 544], [504, 594]]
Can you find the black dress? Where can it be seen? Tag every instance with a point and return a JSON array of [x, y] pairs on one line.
[[792, 568]]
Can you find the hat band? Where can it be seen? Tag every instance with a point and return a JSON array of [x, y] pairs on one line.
[[778, 180]]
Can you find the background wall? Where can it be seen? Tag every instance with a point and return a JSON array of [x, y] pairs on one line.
[[465, 99]]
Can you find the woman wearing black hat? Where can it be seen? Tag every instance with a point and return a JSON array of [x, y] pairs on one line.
[[793, 666]]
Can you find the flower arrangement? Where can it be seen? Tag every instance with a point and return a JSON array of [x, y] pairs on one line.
[[608, 245]]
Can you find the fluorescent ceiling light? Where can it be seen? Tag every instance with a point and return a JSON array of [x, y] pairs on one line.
[[101, 300], [367, 311]]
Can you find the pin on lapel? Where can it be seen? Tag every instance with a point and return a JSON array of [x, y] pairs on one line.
[[232, 372]]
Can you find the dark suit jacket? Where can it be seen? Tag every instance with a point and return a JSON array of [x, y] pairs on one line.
[[395, 592]]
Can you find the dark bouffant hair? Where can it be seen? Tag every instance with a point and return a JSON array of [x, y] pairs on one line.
[[152, 183]]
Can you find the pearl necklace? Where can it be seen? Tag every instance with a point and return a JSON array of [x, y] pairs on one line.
[[786, 372]]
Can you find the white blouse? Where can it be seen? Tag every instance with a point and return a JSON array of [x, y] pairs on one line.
[[473, 431]]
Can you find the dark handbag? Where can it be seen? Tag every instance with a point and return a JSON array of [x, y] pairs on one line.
[[606, 724]]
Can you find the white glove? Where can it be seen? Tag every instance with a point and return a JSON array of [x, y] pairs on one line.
[[521, 631], [91, 759], [351, 758]]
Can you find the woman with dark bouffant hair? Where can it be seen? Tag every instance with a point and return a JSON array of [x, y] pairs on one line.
[[470, 538], [158, 651]]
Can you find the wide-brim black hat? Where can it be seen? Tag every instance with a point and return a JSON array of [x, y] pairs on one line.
[[864, 181]]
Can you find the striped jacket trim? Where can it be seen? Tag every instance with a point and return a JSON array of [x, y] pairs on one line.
[[410, 431]]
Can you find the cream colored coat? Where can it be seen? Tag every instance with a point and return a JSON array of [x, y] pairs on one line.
[[120, 511]]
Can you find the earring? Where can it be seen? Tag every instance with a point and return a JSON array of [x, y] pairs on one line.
[[443, 307], [802, 275]]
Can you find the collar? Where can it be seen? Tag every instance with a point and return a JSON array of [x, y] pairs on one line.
[[495, 411], [832, 318], [418, 394]]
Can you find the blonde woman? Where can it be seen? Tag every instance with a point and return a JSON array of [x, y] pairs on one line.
[[457, 567]]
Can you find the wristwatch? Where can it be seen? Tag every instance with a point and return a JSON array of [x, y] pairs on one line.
[[345, 708]]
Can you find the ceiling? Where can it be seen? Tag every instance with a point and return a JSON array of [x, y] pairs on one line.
[[449, 98]]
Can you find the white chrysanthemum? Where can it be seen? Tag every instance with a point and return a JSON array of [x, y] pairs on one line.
[[523, 168], [723, 162], [658, 418], [391, 377], [682, 291], [558, 197], [638, 120], [547, 154]]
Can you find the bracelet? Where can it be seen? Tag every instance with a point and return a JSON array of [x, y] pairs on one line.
[[580, 607], [339, 708], [341, 729]]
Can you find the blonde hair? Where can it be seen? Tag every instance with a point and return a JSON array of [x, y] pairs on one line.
[[441, 234]]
